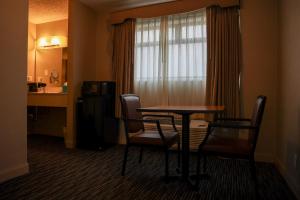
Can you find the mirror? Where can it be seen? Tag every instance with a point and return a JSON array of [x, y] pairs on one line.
[[51, 66]]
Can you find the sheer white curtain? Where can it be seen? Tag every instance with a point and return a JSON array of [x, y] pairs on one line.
[[170, 59]]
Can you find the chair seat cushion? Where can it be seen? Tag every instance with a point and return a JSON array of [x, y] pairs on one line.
[[153, 138], [227, 146]]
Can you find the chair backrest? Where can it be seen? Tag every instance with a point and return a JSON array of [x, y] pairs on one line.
[[129, 104], [256, 119]]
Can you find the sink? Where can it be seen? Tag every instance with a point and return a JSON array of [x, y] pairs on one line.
[[50, 89]]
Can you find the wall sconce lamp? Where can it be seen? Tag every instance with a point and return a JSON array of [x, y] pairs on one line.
[[50, 42]]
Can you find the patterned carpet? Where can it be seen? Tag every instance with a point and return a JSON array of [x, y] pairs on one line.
[[59, 173]]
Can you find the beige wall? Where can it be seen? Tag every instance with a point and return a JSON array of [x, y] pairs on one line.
[[259, 26], [13, 70], [82, 54], [31, 52], [104, 47], [83, 43], [289, 97], [59, 28]]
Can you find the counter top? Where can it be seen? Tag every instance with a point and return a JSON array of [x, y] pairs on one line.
[[47, 93]]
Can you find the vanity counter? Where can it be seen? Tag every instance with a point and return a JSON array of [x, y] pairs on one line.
[[47, 99]]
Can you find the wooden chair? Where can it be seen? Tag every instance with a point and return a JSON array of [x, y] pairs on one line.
[[232, 147], [136, 135]]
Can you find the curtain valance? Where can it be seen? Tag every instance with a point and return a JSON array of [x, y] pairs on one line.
[[168, 8]]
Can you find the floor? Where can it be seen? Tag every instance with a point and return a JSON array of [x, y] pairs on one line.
[[59, 173]]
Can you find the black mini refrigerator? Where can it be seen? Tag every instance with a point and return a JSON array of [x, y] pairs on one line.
[[97, 127]]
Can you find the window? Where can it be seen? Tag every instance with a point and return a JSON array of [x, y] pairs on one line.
[[170, 59]]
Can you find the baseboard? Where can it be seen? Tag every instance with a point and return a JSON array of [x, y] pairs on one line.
[[291, 180], [14, 172]]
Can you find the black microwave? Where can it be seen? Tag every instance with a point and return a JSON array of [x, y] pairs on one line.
[[97, 88]]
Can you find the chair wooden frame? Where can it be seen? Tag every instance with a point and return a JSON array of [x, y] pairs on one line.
[[164, 143]]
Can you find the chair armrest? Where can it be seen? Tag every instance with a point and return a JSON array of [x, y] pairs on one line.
[[164, 116], [151, 121], [143, 120], [232, 119], [159, 115], [230, 125]]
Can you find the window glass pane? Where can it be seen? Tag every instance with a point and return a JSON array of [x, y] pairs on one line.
[[183, 54]]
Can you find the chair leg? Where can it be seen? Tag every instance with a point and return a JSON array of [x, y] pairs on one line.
[[124, 160], [198, 170], [178, 151], [141, 155], [254, 176], [204, 164], [167, 166], [253, 170]]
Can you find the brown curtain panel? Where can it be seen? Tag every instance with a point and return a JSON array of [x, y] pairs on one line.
[[123, 59], [223, 59]]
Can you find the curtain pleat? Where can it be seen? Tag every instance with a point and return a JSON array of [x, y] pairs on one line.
[[123, 59], [224, 59]]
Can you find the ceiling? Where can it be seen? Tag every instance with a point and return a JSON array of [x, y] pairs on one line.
[[42, 11]]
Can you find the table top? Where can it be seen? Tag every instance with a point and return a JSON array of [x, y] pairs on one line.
[[183, 109]]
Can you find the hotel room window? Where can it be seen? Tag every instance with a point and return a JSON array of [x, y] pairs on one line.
[[170, 59]]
